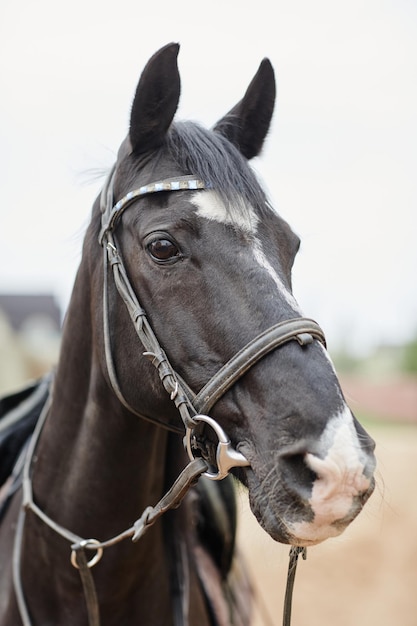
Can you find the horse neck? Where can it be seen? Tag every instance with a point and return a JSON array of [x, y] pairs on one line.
[[102, 464]]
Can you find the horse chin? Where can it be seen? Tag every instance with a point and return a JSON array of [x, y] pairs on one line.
[[303, 534], [268, 510], [291, 520]]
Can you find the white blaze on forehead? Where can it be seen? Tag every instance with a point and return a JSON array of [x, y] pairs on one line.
[[263, 262], [340, 477], [210, 206]]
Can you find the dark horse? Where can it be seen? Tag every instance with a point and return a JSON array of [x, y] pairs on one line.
[[183, 231]]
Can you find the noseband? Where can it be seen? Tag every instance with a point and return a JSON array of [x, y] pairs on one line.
[[192, 407]]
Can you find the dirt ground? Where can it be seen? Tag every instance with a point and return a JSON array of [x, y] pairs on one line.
[[392, 399], [366, 577]]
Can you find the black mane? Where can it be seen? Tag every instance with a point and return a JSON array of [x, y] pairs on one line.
[[211, 157]]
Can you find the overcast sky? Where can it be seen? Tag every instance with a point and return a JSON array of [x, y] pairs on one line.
[[340, 160]]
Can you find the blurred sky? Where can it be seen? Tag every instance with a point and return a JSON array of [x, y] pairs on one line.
[[340, 160]]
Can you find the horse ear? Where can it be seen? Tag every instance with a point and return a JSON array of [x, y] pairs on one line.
[[247, 124], [156, 100]]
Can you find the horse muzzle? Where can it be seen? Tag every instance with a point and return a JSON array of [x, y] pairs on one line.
[[313, 490]]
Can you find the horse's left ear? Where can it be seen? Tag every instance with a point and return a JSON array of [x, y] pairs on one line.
[[156, 100], [247, 124]]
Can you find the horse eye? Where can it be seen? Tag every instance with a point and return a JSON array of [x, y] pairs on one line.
[[163, 250]]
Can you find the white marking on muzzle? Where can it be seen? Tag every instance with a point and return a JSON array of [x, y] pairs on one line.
[[339, 467]]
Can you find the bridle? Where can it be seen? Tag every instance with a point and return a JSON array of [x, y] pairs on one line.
[[193, 407]]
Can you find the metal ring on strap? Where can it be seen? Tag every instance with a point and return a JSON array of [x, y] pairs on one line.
[[83, 544]]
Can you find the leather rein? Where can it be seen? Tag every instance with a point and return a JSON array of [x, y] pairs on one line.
[[192, 407]]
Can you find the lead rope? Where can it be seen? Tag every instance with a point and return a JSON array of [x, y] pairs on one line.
[[295, 552]]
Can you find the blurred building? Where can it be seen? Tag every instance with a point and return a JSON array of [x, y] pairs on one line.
[[30, 326]]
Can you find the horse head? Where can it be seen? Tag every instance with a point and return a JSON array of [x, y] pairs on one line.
[[212, 269]]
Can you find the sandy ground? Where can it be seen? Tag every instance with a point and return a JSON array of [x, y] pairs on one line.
[[366, 577], [391, 399]]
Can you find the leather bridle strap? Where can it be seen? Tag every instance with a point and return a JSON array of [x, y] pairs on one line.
[[111, 214], [144, 332], [178, 391], [295, 552], [301, 329]]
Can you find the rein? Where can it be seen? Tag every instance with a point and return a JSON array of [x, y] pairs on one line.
[[172, 499], [193, 408]]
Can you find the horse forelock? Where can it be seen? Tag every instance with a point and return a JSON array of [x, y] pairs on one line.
[[190, 149], [210, 156]]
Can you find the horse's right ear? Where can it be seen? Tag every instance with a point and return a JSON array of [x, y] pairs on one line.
[[156, 100]]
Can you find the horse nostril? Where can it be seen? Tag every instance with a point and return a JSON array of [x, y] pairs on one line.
[[298, 476]]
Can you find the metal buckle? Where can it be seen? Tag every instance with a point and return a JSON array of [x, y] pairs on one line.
[[226, 456]]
